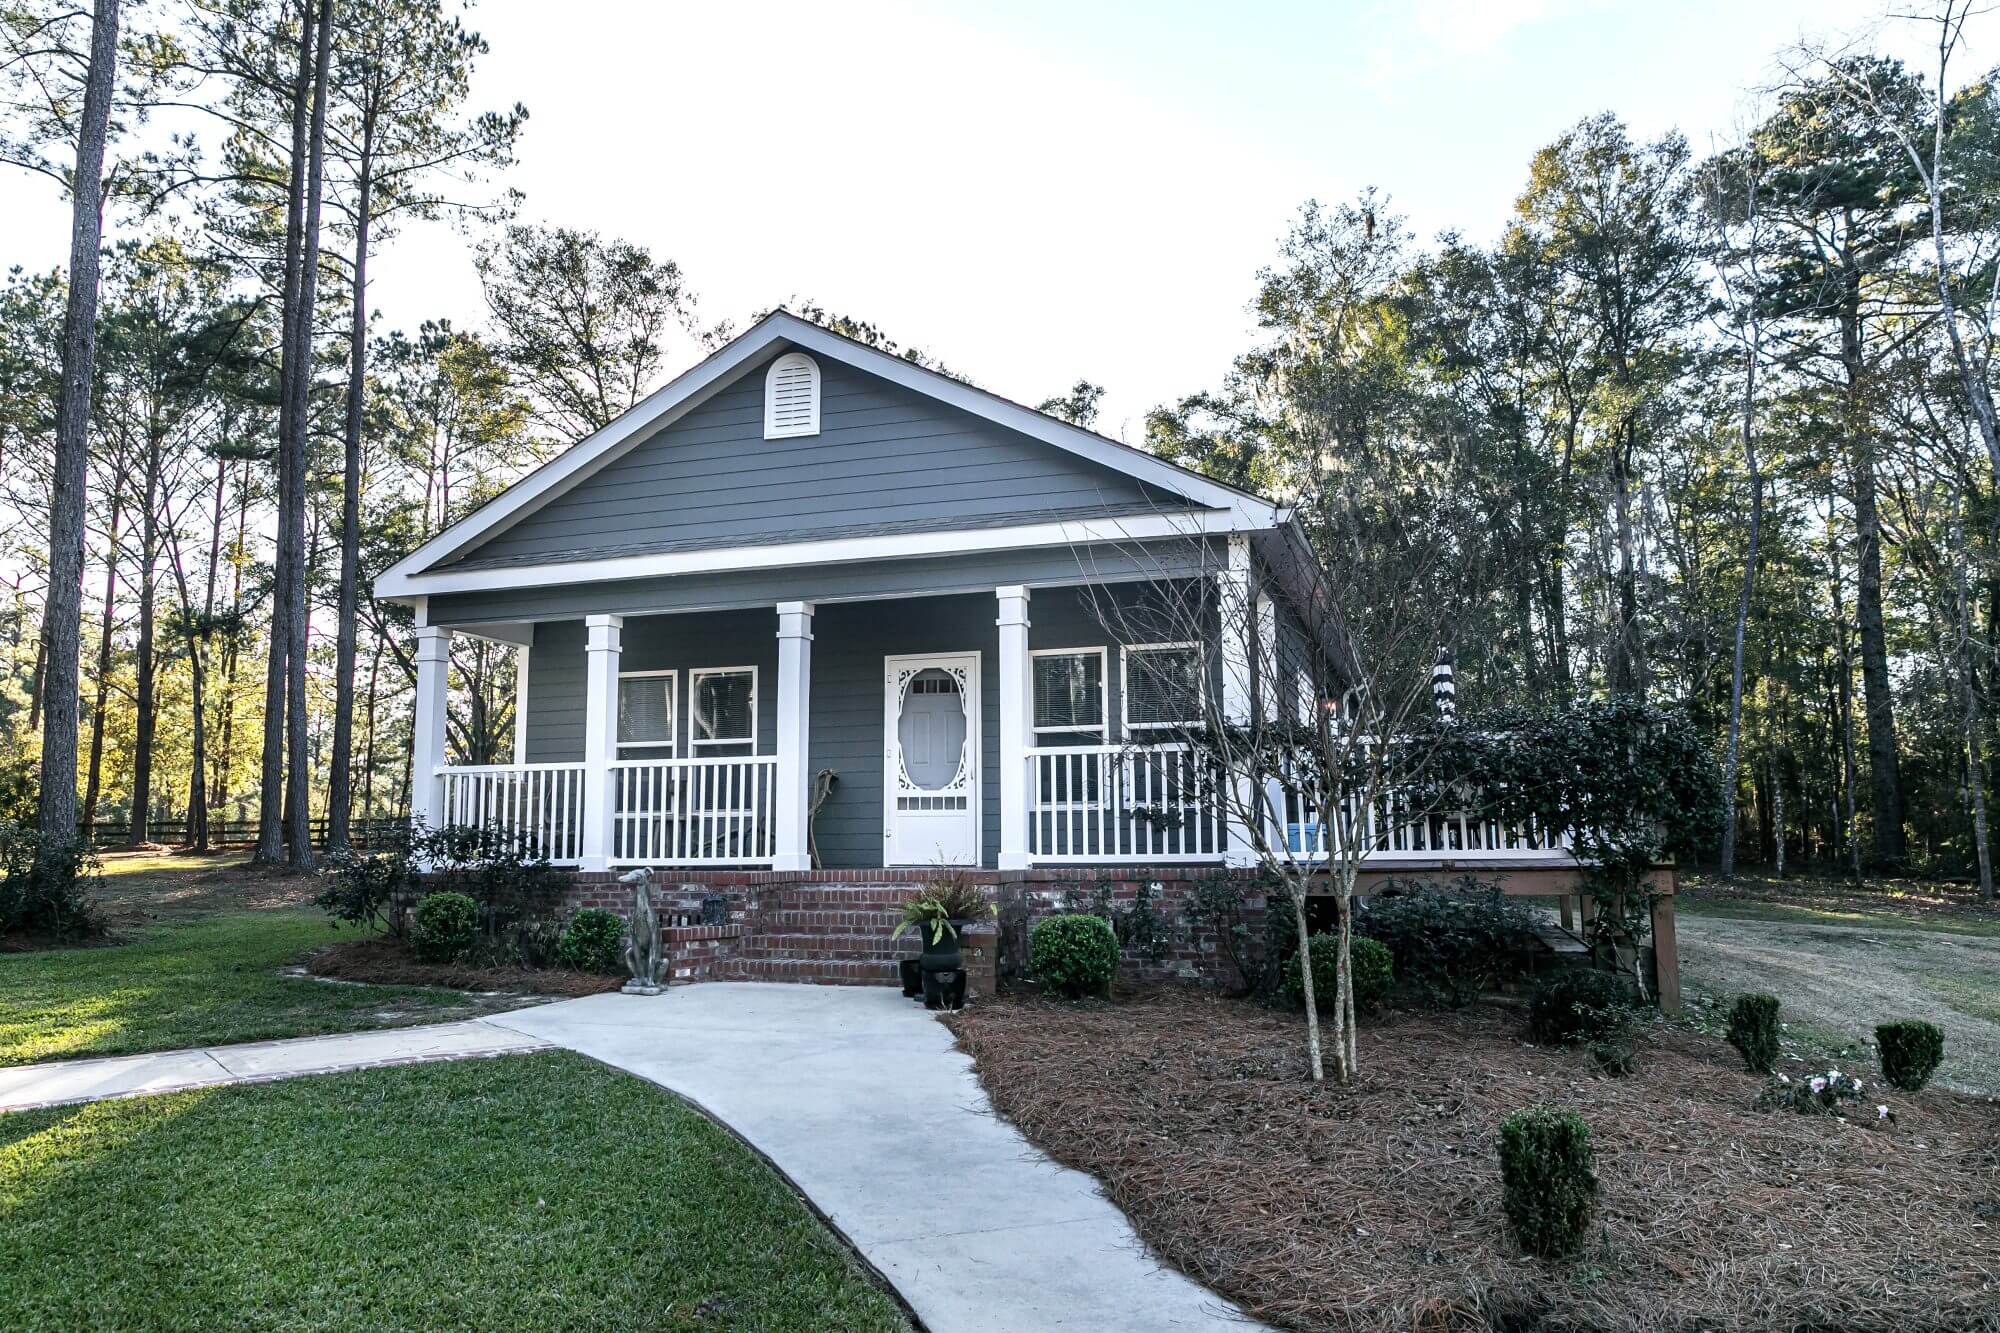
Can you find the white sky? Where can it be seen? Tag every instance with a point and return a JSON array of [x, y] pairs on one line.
[[1044, 190]]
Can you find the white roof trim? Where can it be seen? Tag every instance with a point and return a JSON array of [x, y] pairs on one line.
[[397, 585], [693, 386]]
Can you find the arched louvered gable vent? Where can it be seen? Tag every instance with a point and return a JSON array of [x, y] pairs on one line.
[[791, 397]]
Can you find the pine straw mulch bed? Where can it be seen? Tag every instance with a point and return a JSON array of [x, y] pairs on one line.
[[1377, 1206], [386, 961]]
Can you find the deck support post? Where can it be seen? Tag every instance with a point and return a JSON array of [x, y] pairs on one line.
[[1236, 614], [792, 816], [603, 645], [1666, 954], [1017, 723], [433, 654]]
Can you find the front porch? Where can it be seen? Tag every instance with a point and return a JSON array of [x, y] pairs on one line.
[[909, 732]]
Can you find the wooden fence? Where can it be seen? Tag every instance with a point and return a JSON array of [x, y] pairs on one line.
[[231, 833]]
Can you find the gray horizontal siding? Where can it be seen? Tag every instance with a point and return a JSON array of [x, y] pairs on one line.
[[861, 580], [850, 642], [883, 454]]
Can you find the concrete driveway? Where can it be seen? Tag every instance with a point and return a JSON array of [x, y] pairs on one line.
[[859, 1096]]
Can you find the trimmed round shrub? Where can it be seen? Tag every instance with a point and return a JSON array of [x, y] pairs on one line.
[[1073, 954], [1371, 965], [1753, 1031], [1579, 1006], [1910, 1049], [447, 927], [1548, 1179], [593, 941]]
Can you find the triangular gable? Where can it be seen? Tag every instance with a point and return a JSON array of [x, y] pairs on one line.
[[740, 360], [885, 459]]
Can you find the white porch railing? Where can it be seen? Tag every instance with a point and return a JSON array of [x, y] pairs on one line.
[[693, 812], [1092, 803], [1394, 832], [541, 804]]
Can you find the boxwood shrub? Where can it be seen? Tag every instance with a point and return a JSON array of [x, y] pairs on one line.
[[1910, 1049], [1548, 1179], [1753, 1031], [447, 927], [1073, 954], [593, 941], [1371, 966]]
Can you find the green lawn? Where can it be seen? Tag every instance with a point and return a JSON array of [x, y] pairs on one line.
[[194, 982], [522, 1193]]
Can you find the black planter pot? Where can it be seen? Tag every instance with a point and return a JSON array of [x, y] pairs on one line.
[[943, 956]]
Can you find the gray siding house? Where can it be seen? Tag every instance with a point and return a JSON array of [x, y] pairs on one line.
[[813, 606]]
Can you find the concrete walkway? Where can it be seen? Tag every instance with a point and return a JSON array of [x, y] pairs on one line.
[[25, 1087], [854, 1092], [859, 1096]]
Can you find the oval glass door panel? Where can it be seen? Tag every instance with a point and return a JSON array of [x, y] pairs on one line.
[[931, 731]]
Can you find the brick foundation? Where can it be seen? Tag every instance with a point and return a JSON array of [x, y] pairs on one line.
[[832, 927]]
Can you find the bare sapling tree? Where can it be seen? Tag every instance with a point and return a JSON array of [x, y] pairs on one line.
[[1313, 712]]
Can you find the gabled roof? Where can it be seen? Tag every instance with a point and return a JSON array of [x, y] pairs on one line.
[[1245, 512]]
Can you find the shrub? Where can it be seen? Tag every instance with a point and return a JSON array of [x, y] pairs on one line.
[[1819, 1094], [593, 941], [517, 891], [1073, 954], [447, 927], [362, 890], [1579, 1006], [1373, 971], [1449, 947], [1910, 1049], [1753, 1031], [1547, 1178], [45, 885]]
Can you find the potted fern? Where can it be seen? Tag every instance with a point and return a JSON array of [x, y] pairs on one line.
[[949, 903]]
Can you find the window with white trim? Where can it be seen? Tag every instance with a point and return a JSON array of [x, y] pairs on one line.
[[1161, 685], [1069, 689], [722, 706], [791, 397], [646, 713]]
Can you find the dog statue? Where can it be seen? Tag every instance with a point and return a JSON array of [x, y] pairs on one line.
[[644, 957]]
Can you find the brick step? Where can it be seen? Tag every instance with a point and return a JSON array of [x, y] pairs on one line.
[[800, 920], [820, 971], [876, 947]]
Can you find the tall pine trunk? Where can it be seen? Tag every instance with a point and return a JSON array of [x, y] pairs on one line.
[[1885, 775], [1732, 756], [62, 618], [340, 789], [298, 776], [271, 791], [94, 779], [139, 829]]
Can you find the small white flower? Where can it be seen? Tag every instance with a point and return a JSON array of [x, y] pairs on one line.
[[1818, 1084], [1784, 1078], [1881, 1113]]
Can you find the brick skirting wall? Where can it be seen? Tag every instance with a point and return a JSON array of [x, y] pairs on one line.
[[833, 926]]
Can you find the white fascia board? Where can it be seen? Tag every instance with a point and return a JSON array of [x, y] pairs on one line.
[[691, 388], [897, 546]]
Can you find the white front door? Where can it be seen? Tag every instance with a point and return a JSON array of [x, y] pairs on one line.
[[930, 789]]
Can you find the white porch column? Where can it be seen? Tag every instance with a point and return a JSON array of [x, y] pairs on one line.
[[427, 727], [521, 698], [1269, 675], [1236, 612], [605, 641], [1017, 723], [793, 850]]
